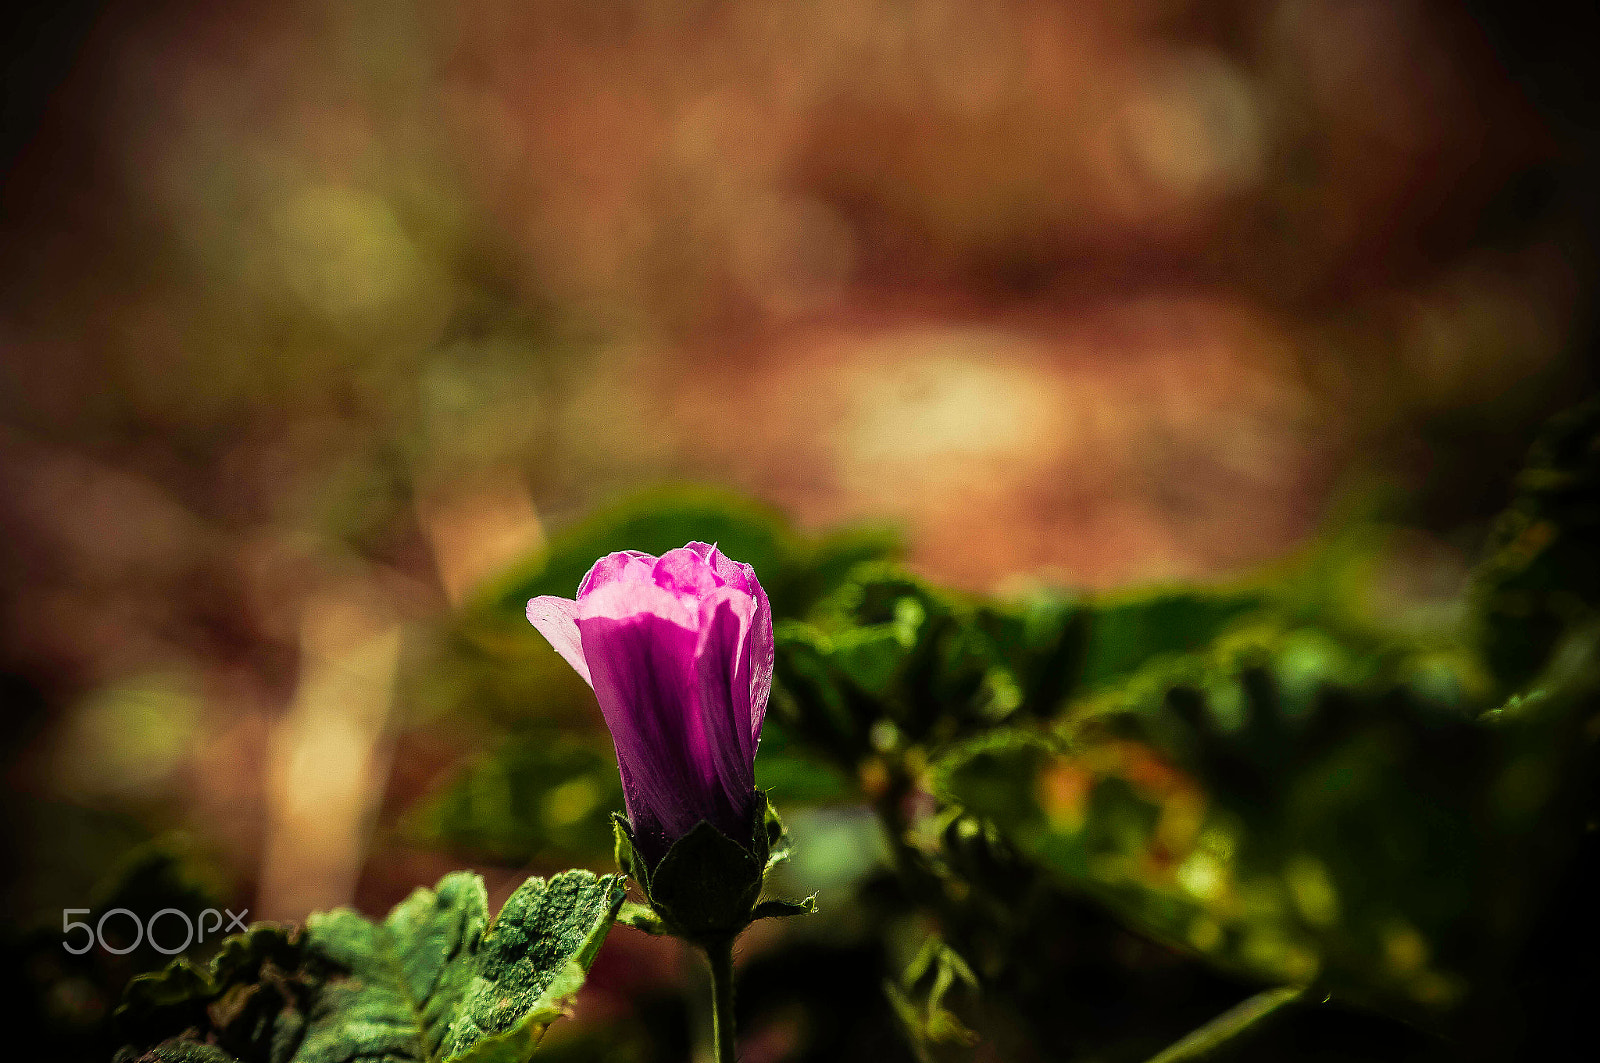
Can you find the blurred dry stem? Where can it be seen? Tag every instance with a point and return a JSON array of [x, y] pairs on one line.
[[328, 757]]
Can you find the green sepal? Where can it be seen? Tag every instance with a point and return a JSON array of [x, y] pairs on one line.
[[785, 909], [777, 836], [707, 885], [641, 917], [629, 860]]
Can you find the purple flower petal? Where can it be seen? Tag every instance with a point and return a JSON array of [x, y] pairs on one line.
[[557, 620], [685, 573], [679, 651], [626, 598], [722, 689], [642, 667], [624, 564], [760, 650]]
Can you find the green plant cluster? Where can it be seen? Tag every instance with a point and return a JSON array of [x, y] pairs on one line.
[[436, 980], [1245, 822]]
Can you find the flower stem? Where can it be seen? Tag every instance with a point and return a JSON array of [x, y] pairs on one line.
[[720, 955]]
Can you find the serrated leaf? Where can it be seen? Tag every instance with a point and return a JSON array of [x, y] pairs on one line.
[[436, 980]]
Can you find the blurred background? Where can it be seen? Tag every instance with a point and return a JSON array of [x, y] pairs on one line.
[[317, 318]]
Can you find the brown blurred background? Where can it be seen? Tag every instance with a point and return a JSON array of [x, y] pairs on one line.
[[316, 314]]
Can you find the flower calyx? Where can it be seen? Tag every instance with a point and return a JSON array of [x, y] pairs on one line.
[[707, 887]]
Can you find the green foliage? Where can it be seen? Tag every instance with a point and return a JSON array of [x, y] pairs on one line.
[[71, 852], [1293, 787], [918, 999], [792, 775], [1125, 633], [1541, 578], [436, 980], [1325, 805], [253, 1000], [888, 662], [1188, 794], [1289, 810], [537, 794], [1225, 1029]]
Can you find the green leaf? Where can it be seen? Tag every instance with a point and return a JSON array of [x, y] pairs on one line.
[[1043, 640], [436, 980], [538, 794], [777, 837], [792, 773], [929, 1023], [1125, 634], [1226, 1028], [777, 909], [641, 917], [254, 993], [629, 861], [890, 662], [1540, 579], [1298, 809]]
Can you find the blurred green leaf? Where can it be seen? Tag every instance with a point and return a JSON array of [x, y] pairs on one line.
[[1541, 577], [887, 662], [1293, 809], [1125, 633], [538, 795], [919, 999], [792, 775], [1216, 1035]]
